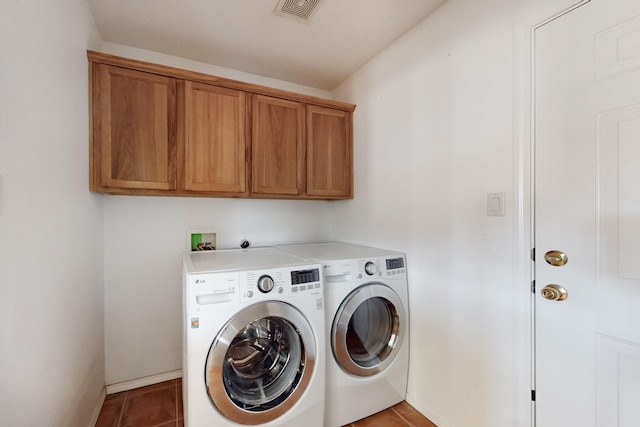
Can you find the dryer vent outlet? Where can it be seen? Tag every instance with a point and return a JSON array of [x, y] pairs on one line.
[[300, 10]]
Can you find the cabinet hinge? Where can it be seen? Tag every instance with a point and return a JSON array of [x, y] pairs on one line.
[[533, 254], [533, 395]]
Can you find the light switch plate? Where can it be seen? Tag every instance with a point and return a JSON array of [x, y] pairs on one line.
[[495, 204]]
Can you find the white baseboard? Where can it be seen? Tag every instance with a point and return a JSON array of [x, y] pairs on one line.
[[96, 410], [141, 382], [411, 400]]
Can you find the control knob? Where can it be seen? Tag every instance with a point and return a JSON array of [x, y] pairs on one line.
[[265, 284], [370, 268]]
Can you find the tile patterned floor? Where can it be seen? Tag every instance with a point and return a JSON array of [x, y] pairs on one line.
[[400, 415], [160, 405], [157, 405]]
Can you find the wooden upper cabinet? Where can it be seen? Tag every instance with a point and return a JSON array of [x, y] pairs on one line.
[[277, 146], [329, 153], [134, 136], [215, 140], [159, 130]]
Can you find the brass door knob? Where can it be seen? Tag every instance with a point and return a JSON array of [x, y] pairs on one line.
[[554, 293], [556, 258]]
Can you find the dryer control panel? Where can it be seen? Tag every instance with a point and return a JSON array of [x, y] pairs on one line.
[[346, 271], [380, 267]]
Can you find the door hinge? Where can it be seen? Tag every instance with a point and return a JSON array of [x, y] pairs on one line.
[[533, 286], [533, 254], [533, 395]]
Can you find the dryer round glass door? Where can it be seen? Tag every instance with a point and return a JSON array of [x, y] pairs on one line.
[[260, 363], [368, 330]]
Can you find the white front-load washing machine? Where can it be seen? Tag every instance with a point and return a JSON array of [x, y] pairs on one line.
[[254, 339], [367, 309]]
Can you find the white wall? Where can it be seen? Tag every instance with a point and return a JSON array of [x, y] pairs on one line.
[[214, 70], [145, 238], [51, 257], [434, 134]]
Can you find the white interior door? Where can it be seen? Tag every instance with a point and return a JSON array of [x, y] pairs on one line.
[[587, 205]]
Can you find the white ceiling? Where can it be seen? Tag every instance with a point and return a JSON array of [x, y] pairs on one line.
[[246, 35]]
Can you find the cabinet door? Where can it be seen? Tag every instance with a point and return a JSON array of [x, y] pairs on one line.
[[277, 146], [214, 139], [329, 153], [134, 141]]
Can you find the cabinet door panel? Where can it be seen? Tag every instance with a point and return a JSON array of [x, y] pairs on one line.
[[215, 139], [137, 130], [329, 153], [277, 146]]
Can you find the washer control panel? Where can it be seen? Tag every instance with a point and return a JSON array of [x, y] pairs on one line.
[[255, 285], [291, 281]]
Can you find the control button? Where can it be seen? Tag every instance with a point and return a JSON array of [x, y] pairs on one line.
[[317, 285], [265, 284], [294, 289], [303, 287], [280, 290], [249, 294], [370, 268]]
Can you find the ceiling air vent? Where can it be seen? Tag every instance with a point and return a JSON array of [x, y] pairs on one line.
[[300, 10]]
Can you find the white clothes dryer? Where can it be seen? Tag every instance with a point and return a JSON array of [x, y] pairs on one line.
[[254, 347], [367, 309]]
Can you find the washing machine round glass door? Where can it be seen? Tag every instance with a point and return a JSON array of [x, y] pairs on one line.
[[368, 330], [260, 363]]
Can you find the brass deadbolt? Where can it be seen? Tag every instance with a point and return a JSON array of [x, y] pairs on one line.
[[556, 258]]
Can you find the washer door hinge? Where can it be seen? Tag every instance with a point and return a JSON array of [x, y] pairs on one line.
[[533, 395], [533, 254], [533, 286]]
